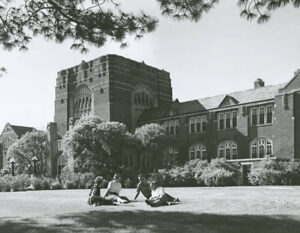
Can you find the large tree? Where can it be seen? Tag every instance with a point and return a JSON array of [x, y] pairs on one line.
[[95, 146], [95, 21], [154, 141], [30, 145]]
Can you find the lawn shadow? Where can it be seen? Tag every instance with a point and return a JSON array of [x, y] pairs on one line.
[[156, 222]]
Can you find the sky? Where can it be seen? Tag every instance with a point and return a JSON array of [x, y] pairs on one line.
[[221, 53]]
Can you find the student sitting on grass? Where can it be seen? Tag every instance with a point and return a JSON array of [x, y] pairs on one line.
[[95, 195], [113, 191], [143, 186], [159, 197]]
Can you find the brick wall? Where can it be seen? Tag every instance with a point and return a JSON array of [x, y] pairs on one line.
[[284, 126]]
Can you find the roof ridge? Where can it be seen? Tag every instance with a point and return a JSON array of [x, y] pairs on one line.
[[21, 126], [231, 93]]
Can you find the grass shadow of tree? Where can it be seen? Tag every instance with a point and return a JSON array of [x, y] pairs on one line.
[[156, 222]]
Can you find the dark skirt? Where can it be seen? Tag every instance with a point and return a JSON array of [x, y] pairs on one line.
[[114, 197], [99, 201]]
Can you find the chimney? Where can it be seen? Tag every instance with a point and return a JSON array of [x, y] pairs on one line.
[[297, 72], [259, 83]]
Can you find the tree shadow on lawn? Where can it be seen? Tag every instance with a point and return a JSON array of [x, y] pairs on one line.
[[156, 222]]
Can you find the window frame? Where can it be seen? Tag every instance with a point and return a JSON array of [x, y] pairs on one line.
[[227, 119], [196, 124], [264, 115], [197, 149], [172, 126], [261, 142], [221, 121], [228, 146]]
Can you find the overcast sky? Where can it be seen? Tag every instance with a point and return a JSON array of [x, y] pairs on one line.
[[220, 54]]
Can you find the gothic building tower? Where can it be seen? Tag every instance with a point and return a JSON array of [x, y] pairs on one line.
[[111, 87]]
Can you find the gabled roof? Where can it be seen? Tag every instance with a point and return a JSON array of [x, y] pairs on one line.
[[186, 107], [175, 108], [154, 113], [228, 101], [241, 97], [21, 130]]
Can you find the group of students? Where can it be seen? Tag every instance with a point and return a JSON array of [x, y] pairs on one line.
[[154, 194]]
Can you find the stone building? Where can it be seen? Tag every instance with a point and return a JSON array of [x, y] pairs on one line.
[[8, 136], [245, 126], [260, 123], [11, 133]]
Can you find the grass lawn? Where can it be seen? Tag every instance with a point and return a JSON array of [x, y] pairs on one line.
[[227, 209]]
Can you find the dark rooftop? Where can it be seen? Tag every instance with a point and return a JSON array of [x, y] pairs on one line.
[[241, 97], [21, 130]]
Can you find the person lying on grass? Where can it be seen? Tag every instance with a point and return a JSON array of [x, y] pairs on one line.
[[95, 195], [159, 197], [113, 191], [143, 187]]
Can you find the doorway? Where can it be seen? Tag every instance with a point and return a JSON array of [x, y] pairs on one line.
[[246, 169]]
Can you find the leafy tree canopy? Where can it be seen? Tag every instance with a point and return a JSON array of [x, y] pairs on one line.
[[250, 9], [31, 144], [96, 146], [95, 21], [83, 21], [153, 137]]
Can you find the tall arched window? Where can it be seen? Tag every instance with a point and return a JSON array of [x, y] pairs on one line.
[[261, 148], [197, 151], [228, 150], [143, 98], [82, 101]]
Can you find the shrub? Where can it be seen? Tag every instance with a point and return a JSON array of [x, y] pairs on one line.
[[86, 180], [56, 184], [14, 183], [46, 183], [199, 173], [214, 176], [273, 172], [5, 183], [186, 175], [19, 182], [37, 183], [294, 173], [72, 180]]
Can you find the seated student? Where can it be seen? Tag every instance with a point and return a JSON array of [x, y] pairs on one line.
[[143, 186], [159, 197], [95, 196], [113, 191]]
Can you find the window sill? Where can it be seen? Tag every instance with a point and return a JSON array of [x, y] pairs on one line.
[[250, 159], [226, 129], [197, 133], [262, 125]]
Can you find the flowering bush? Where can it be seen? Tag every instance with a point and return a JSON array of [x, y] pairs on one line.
[[200, 173], [5, 183], [14, 183], [56, 184], [72, 180], [217, 176], [275, 173]]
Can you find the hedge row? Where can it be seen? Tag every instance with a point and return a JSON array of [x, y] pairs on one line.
[[25, 182], [217, 172]]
